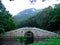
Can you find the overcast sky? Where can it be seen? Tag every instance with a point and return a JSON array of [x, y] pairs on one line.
[[18, 5]]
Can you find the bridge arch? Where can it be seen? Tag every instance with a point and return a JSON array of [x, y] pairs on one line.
[[31, 37]]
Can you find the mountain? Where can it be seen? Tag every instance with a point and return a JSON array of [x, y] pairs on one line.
[[26, 14]]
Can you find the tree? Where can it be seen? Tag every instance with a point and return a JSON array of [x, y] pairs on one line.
[[54, 20], [6, 21]]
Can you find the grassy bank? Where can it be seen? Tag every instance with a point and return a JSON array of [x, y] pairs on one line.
[[51, 41]]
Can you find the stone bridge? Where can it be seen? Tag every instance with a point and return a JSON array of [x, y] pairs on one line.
[[36, 34]]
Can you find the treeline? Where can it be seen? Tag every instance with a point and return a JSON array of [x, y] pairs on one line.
[[48, 19]]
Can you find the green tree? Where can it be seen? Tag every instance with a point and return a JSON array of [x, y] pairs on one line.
[[6, 21], [54, 20]]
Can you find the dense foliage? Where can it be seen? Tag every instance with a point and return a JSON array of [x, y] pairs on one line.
[[54, 18], [6, 21]]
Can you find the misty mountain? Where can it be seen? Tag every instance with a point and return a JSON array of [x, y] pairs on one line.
[[26, 14]]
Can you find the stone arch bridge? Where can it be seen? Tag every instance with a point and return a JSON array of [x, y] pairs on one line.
[[36, 33]]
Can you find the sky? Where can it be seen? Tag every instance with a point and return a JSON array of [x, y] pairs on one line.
[[17, 6]]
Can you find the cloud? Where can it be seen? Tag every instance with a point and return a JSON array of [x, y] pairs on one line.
[[18, 5]]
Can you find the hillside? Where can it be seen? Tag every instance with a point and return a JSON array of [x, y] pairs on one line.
[[26, 14]]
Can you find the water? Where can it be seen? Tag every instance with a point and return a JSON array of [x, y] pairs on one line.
[[11, 42]]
